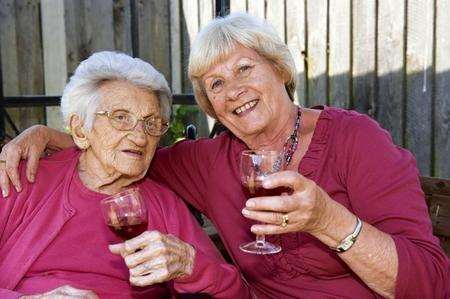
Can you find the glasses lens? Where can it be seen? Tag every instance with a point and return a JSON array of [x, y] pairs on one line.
[[155, 126], [122, 120]]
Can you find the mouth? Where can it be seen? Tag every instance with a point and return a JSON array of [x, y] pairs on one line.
[[133, 153], [247, 107]]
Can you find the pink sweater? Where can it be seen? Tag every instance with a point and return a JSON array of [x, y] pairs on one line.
[[357, 164], [50, 237]]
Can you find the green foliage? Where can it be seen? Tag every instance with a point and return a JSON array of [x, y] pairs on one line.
[[181, 116]]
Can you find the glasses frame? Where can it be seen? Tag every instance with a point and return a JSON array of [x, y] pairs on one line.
[[109, 114]]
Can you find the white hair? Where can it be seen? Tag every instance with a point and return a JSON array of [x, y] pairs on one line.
[[81, 94], [218, 39]]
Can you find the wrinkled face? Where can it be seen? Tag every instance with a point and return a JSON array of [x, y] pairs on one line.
[[126, 152], [245, 91]]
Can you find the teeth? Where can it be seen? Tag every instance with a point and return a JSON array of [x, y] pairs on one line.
[[245, 107]]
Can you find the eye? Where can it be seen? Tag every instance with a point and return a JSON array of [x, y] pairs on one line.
[[216, 85], [121, 116], [244, 68]]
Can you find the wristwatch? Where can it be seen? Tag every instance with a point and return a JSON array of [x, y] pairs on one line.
[[348, 241]]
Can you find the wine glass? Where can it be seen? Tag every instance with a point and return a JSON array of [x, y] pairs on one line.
[[255, 166], [125, 213]]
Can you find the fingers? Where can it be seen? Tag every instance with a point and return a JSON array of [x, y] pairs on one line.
[[157, 276], [69, 291], [32, 164], [142, 240], [161, 258], [272, 203], [4, 180], [270, 229], [118, 249], [290, 179], [147, 267], [265, 217], [13, 154], [157, 248]]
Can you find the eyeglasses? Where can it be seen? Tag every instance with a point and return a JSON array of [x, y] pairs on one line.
[[123, 120]]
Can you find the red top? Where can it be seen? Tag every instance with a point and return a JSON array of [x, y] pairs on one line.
[[356, 163], [53, 234]]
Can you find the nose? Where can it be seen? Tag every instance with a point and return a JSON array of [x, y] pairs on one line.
[[138, 135], [234, 90]]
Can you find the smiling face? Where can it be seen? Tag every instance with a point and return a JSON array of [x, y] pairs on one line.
[[246, 92], [125, 152]]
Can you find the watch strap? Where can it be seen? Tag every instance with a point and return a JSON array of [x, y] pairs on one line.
[[348, 241]]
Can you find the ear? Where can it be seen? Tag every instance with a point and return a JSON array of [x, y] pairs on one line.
[[285, 76], [76, 126]]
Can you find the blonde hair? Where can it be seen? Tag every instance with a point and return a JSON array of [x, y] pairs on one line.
[[217, 40]]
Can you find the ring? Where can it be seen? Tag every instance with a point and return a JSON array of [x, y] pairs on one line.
[[285, 221]]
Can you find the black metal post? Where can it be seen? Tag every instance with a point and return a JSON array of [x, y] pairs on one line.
[[222, 8]]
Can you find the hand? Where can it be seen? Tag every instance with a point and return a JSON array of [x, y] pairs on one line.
[[64, 292], [30, 145], [161, 258], [306, 208]]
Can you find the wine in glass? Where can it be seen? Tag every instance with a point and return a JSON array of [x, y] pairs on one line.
[[255, 166], [125, 213]]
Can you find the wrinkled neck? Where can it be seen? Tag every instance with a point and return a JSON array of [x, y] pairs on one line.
[[96, 177]]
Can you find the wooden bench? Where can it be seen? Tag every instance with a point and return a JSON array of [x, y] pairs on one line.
[[437, 194]]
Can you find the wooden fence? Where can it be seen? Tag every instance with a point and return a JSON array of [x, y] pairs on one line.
[[387, 58]]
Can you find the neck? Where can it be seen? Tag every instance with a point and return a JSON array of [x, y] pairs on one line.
[[274, 137], [100, 179]]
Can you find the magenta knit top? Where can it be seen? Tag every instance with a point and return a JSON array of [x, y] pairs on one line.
[[356, 163], [52, 234]]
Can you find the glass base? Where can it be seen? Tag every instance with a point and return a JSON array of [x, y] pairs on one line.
[[258, 247]]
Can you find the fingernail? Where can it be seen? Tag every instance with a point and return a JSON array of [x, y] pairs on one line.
[[5, 193], [32, 177], [18, 188], [266, 183], [245, 212], [250, 204]]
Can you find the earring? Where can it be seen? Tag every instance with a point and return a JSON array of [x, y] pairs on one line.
[[82, 145]]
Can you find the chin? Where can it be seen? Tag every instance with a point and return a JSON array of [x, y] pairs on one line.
[[132, 171]]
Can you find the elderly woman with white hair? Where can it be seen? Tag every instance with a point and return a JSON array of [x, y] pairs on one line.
[[53, 239], [355, 224]]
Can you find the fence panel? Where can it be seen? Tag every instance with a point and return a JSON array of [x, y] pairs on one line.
[[390, 64], [389, 59], [339, 67], [363, 55], [442, 100], [316, 18], [419, 60]]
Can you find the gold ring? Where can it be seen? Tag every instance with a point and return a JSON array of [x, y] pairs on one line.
[[285, 221]]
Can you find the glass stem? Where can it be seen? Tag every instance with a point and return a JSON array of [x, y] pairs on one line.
[[260, 240]]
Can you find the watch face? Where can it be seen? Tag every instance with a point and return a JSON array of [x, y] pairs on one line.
[[348, 243]]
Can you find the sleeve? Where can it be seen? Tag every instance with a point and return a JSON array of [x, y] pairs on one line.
[[184, 167], [11, 213], [7, 294], [384, 190], [211, 274]]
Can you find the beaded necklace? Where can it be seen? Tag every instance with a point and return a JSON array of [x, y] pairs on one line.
[[290, 146]]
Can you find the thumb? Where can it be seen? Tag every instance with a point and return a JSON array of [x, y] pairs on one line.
[[117, 248]]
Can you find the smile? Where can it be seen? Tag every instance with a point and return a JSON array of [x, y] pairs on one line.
[[245, 107]]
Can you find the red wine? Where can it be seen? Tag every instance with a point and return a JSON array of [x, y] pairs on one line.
[[128, 231], [257, 190]]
